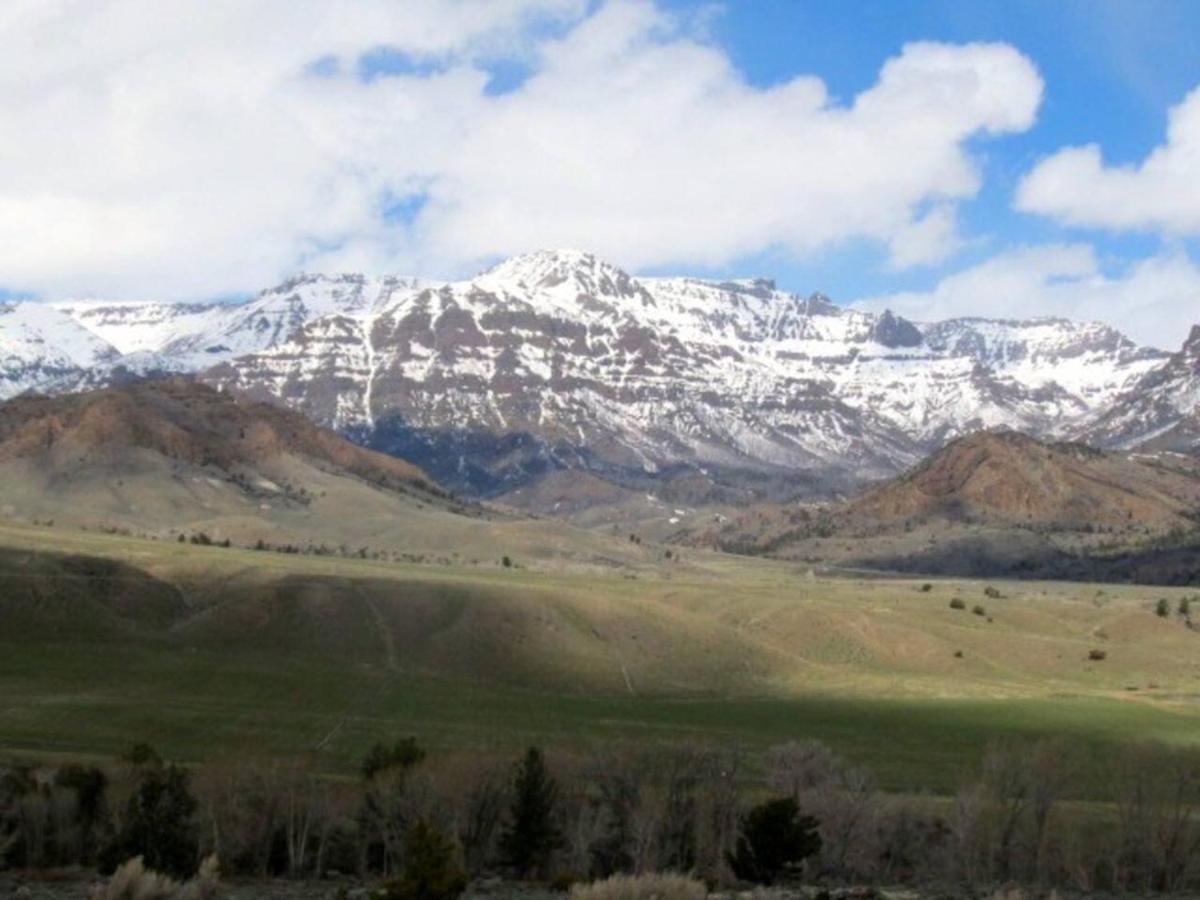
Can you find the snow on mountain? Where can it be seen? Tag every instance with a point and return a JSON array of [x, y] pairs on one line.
[[195, 335], [1160, 411], [39, 343], [141, 327], [1092, 361], [557, 359]]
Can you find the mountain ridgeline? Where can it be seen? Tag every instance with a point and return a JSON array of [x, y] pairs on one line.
[[557, 362]]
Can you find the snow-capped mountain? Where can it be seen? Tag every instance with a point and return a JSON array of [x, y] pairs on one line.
[[1161, 411], [39, 343], [557, 359]]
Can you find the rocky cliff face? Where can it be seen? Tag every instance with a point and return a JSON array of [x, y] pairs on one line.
[[557, 360]]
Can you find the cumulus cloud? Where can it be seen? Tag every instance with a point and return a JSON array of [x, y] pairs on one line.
[[210, 146], [656, 151], [1162, 193], [1153, 301]]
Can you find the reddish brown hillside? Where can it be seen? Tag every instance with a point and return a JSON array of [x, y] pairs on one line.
[[1009, 478], [188, 423]]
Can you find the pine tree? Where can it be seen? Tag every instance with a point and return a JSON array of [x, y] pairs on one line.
[[159, 822], [774, 836], [532, 836], [430, 869]]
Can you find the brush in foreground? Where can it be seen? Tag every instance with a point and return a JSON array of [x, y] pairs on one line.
[[665, 886], [133, 881]]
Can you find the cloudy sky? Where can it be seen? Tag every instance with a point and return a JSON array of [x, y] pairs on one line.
[[1031, 157]]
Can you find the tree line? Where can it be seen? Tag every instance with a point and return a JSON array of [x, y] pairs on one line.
[[421, 826]]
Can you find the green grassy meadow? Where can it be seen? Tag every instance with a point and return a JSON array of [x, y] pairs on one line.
[[212, 653]]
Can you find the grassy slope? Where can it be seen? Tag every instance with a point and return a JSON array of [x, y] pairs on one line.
[[146, 494], [206, 652]]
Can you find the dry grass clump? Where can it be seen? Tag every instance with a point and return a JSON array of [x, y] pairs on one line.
[[660, 886], [133, 881]]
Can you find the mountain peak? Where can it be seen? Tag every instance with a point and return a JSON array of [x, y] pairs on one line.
[[550, 268], [891, 330], [1191, 347]]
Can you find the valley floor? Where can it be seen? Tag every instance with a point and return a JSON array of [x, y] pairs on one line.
[[211, 653]]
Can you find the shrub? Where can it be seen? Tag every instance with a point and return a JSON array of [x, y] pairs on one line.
[[1097, 655], [1185, 607], [403, 754], [430, 869], [142, 755], [1163, 609], [978, 610], [532, 835], [133, 881], [957, 603], [562, 882], [926, 588], [657, 886], [506, 562], [774, 835]]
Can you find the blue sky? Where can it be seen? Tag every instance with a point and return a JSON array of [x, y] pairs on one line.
[[1112, 68], [921, 156]]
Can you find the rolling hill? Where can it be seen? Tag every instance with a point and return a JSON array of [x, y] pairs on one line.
[[997, 503], [114, 626], [177, 459], [1007, 478], [209, 652]]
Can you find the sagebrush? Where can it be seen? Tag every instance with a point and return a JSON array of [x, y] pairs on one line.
[[659, 886]]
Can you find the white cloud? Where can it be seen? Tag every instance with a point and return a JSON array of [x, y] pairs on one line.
[[929, 239], [1154, 301], [1162, 193], [188, 149]]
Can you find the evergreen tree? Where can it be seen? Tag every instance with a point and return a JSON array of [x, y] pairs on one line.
[[532, 835], [430, 869], [773, 836], [159, 823]]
